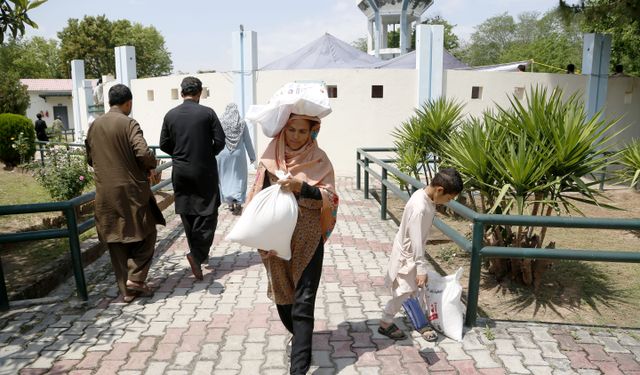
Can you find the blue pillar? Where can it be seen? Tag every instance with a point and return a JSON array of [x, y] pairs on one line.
[[429, 61], [377, 38], [405, 33], [245, 65], [596, 53]]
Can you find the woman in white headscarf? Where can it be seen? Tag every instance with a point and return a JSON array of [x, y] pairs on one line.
[[232, 162]]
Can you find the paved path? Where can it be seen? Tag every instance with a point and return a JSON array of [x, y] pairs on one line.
[[226, 325]]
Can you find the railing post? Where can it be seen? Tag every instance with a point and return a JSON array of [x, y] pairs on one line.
[[4, 297], [383, 196], [603, 175], [358, 169], [474, 273], [76, 255], [41, 154], [366, 178]]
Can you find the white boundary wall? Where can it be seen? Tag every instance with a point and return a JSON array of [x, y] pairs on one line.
[[154, 97], [358, 120]]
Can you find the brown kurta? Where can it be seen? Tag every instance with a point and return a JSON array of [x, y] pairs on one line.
[[125, 208], [284, 275]]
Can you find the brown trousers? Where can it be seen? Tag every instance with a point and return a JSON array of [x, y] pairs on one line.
[[131, 261]]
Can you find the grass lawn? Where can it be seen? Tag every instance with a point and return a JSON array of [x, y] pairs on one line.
[[22, 261], [599, 293]]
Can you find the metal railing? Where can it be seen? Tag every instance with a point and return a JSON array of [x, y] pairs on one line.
[[476, 246], [72, 231], [43, 147]]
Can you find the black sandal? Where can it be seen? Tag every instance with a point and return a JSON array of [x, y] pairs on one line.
[[428, 333], [392, 332]]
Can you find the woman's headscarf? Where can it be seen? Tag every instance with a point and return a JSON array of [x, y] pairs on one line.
[[309, 164], [232, 125]]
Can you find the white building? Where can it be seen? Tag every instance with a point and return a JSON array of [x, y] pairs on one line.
[[52, 98]]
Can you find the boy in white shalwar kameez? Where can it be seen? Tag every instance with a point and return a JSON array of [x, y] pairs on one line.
[[407, 269]]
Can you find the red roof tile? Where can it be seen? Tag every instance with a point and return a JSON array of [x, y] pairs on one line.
[[49, 84]]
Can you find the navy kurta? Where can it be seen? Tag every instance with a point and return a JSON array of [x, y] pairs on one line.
[[192, 135]]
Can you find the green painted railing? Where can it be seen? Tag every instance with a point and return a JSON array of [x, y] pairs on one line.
[[43, 146], [72, 232], [365, 162]]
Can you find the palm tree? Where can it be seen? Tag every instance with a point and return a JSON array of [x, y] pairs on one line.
[[530, 159], [418, 139], [630, 161]]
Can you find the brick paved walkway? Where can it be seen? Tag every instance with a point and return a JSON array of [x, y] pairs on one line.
[[226, 325]]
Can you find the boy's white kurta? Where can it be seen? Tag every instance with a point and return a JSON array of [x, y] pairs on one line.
[[407, 255]]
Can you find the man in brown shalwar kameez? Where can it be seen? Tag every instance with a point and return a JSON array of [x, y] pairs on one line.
[[126, 211]]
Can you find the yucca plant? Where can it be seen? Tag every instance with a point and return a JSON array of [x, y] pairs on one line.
[[629, 159], [417, 140], [529, 159]]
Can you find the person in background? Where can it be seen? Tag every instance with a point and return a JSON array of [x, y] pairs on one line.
[[57, 127], [522, 68], [97, 93], [232, 162], [126, 211], [407, 269], [192, 135], [618, 71], [571, 69], [41, 129], [293, 284]]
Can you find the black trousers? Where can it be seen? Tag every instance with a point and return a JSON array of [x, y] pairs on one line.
[[298, 318], [200, 231]]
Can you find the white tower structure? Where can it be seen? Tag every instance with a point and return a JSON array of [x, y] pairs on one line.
[[391, 15]]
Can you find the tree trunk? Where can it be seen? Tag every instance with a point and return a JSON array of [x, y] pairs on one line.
[[540, 267]]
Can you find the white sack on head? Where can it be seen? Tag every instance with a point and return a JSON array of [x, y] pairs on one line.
[[302, 98]]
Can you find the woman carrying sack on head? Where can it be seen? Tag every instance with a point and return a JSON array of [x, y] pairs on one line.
[[293, 284]]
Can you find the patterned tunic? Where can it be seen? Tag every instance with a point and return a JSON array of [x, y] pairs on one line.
[[307, 236]]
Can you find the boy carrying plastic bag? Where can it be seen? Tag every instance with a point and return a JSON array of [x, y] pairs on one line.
[[407, 269]]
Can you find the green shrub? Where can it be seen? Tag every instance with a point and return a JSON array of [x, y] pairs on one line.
[[630, 161], [14, 97], [10, 128], [65, 174]]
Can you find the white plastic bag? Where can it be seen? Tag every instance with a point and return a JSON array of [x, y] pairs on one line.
[[445, 310], [267, 222], [302, 98]]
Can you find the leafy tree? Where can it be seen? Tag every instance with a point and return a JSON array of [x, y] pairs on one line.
[[360, 43], [17, 139], [393, 39], [14, 97], [451, 40], [93, 40], [620, 19], [32, 58], [14, 17], [490, 40], [153, 57], [547, 39]]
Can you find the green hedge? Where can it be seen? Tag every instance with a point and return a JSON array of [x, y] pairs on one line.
[[10, 128]]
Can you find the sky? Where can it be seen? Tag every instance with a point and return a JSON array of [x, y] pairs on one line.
[[198, 32]]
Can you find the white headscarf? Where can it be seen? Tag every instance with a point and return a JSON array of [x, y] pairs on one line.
[[232, 125]]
